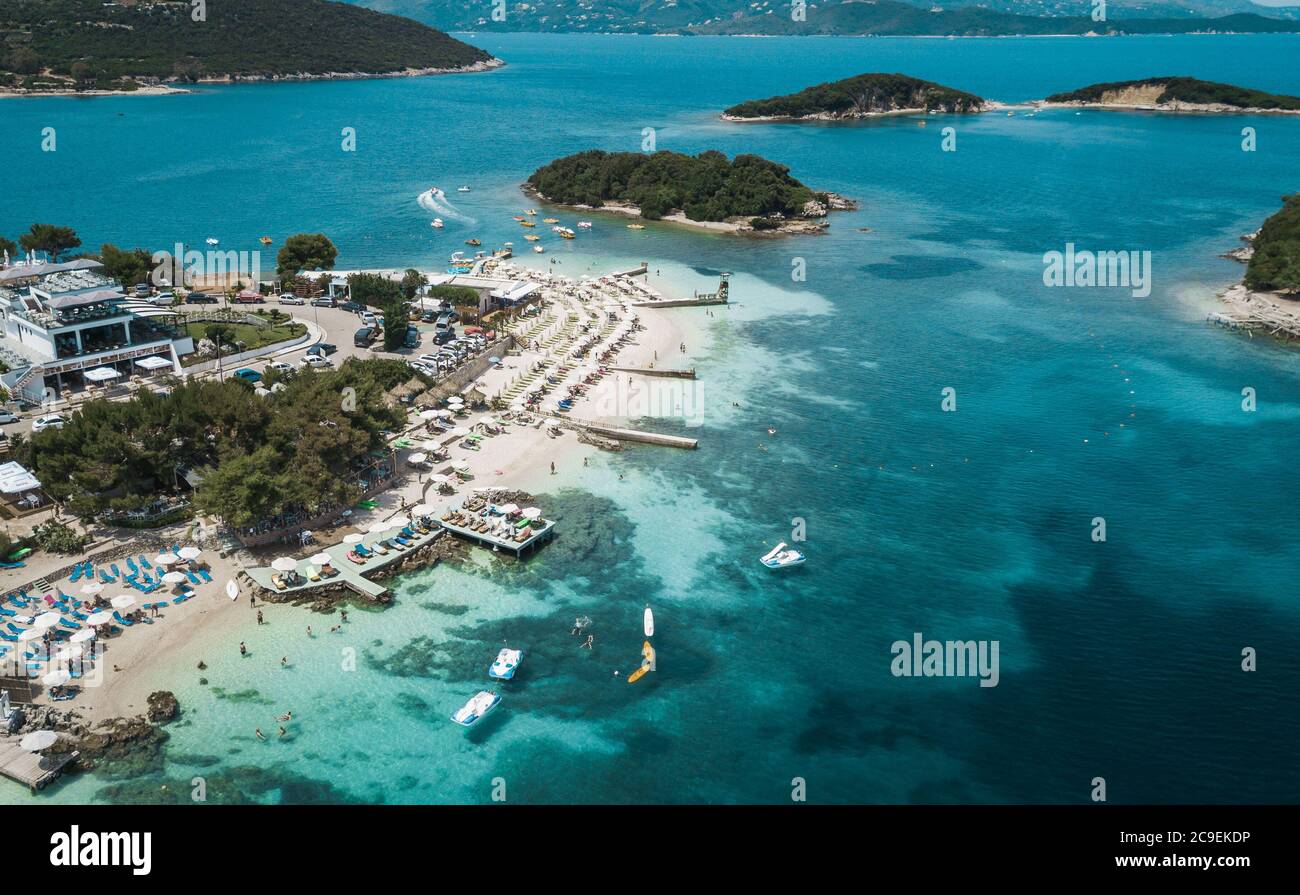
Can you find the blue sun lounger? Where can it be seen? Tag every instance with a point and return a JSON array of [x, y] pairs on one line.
[[76, 574], [203, 573], [67, 624], [117, 617], [144, 563], [194, 579]]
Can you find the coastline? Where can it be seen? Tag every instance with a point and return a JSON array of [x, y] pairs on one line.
[[158, 656], [1174, 107], [166, 89]]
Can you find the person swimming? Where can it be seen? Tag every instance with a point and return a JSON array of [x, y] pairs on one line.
[[258, 732]]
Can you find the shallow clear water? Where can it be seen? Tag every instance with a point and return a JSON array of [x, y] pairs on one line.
[[1119, 659]]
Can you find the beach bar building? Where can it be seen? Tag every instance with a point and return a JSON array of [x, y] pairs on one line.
[[69, 326]]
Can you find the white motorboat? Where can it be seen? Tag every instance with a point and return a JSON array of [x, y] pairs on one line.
[[538, 249], [212, 240], [585, 225], [462, 189], [437, 223], [479, 705], [781, 556], [649, 622], [507, 663]]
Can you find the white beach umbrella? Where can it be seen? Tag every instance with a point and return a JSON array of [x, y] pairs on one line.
[[438, 479], [444, 414], [322, 559], [173, 578], [488, 421], [461, 467], [100, 618], [71, 651], [378, 527], [122, 601], [509, 508], [428, 414], [532, 513], [353, 538], [422, 509], [460, 431], [92, 589], [31, 634], [56, 678], [417, 458], [166, 559], [455, 402], [47, 620], [190, 552], [284, 564], [83, 635], [38, 740]]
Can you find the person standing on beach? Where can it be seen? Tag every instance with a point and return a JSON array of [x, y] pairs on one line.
[[552, 467], [259, 616], [243, 650]]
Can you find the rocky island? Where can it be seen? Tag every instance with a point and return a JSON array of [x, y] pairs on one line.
[[1175, 94], [861, 96], [86, 47], [747, 194]]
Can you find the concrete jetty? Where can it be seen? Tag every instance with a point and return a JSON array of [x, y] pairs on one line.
[[32, 769]]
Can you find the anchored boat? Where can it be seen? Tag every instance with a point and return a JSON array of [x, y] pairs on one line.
[[506, 664], [479, 705], [780, 557]]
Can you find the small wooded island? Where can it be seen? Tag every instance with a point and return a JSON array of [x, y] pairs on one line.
[[88, 46], [861, 96], [744, 194], [1274, 264], [1176, 94]]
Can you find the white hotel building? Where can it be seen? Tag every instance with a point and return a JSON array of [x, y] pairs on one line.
[[66, 326]]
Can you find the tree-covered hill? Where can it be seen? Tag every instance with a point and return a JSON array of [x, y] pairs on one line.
[[1182, 90], [97, 43], [705, 187], [1275, 265], [858, 96]]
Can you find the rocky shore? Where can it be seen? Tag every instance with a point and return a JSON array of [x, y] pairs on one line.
[[117, 747]]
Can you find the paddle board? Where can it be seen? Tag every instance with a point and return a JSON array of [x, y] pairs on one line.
[[649, 622]]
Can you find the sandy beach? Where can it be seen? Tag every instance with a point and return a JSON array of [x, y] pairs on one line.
[[146, 657]]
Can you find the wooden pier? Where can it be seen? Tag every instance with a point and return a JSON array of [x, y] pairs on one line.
[[517, 549], [651, 371], [32, 769]]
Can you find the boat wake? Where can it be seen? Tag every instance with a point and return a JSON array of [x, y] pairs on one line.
[[435, 202]]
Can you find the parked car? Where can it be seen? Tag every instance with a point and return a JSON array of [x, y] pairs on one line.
[[249, 297], [423, 368], [8, 416], [363, 337], [354, 307], [142, 290], [316, 360], [163, 299], [280, 366], [49, 421], [323, 301], [200, 298], [248, 374], [442, 337], [412, 338], [288, 298], [369, 319], [323, 349]]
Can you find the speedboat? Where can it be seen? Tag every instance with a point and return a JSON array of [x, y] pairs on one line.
[[636, 226], [212, 240], [538, 249], [437, 223], [472, 242], [585, 225], [479, 705], [531, 211], [781, 556], [566, 233], [550, 220], [265, 240], [507, 663], [462, 189]]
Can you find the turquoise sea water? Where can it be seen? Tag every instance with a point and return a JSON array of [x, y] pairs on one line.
[[1119, 659]]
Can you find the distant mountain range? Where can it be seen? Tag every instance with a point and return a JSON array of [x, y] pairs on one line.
[[884, 17]]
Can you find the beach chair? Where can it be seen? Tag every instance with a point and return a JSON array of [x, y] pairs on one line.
[[205, 575], [144, 563], [79, 616], [117, 617], [116, 572], [106, 578], [278, 582], [176, 548], [130, 564], [71, 625], [76, 574], [181, 599], [7, 613], [161, 604], [356, 558]]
